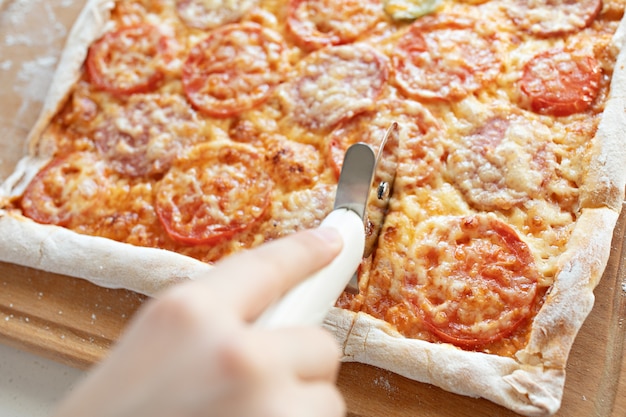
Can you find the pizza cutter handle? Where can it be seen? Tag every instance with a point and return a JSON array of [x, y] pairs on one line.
[[309, 302]]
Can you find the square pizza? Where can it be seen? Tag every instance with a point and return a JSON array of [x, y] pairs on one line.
[[178, 132]]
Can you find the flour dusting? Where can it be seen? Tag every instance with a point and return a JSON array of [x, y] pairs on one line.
[[31, 24], [383, 382], [34, 77], [32, 36]]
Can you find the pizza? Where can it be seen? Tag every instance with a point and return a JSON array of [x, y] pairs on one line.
[[178, 132]]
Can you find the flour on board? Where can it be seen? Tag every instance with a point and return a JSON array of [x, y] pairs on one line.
[[32, 35]]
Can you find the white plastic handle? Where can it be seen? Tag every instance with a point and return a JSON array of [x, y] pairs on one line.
[[309, 302]]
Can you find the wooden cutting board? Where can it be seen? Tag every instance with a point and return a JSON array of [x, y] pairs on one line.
[[75, 322]]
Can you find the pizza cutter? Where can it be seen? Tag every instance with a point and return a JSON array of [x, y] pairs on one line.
[[363, 193]]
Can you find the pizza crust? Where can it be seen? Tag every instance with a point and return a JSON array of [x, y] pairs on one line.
[[530, 384], [571, 297], [528, 390], [606, 172], [101, 261]]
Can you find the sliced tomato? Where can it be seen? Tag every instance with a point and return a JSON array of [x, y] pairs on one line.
[[234, 69], [444, 57], [128, 61], [320, 23], [335, 84], [66, 189], [202, 14], [546, 18], [473, 281], [561, 83], [212, 193]]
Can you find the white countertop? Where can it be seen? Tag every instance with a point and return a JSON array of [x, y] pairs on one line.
[[30, 385]]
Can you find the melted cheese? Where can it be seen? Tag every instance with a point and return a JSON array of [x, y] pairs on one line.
[[209, 14]]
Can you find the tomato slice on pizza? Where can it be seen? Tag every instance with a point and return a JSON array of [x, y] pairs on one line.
[[210, 14], [129, 60], [213, 192], [234, 69], [320, 23], [560, 83], [471, 279], [68, 190], [444, 57]]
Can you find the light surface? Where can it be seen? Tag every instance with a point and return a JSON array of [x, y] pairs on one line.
[[31, 386]]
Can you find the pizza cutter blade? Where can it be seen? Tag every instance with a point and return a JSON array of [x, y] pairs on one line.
[[363, 193]]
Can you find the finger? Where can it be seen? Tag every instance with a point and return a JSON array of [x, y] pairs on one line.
[[318, 399], [250, 281], [302, 400], [310, 353], [306, 353]]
